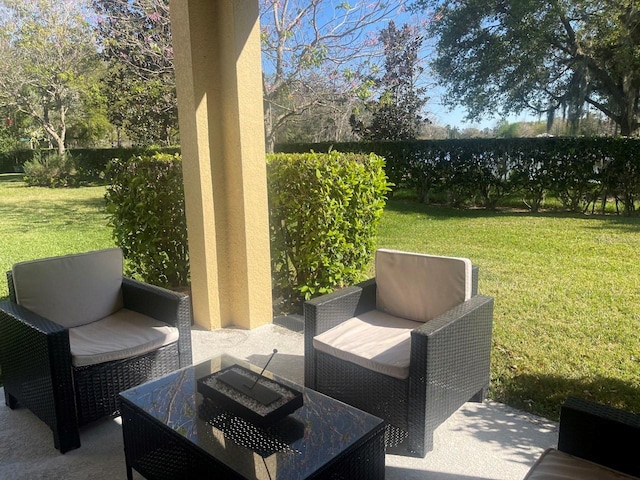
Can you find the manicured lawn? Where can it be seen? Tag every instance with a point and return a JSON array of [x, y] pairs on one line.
[[567, 297], [567, 288], [41, 222]]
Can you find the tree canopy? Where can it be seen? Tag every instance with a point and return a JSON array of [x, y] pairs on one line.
[[135, 36], [315, 54], [48, 62], [312, 52], [543, 56], [397, 115]]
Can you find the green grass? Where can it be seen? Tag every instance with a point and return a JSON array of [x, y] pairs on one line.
[[566, 287], [42, 222], [567, 297]]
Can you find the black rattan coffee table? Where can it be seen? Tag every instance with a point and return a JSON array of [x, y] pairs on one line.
[[171, 432]]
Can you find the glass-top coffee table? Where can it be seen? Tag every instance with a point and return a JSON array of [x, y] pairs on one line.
[[171, 432]]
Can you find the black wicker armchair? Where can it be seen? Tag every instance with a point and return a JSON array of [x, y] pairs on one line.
[[54, 370], [594, 441], [448, 359]]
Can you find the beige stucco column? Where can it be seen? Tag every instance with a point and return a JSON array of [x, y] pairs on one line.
[[218, 79]]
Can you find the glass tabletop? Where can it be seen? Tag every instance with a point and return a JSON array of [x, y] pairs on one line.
[[293, 447]]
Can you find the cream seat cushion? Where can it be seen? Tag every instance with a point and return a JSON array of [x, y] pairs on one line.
[[374, 340], [557, 465], [121, 335], [420, 287]]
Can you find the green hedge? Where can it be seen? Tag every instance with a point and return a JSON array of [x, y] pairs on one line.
[[90, 163], [578, 171], [145, 204], [324, 211], [12, 162]]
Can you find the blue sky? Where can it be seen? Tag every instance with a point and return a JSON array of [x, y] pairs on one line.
[[434, 111], [440, 115], [437, 112]]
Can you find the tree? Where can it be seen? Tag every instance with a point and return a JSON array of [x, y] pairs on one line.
[[136, 42], [91, 126], [542, 56], [316, 53], [48, 54], [10, 123], [397, 113], [326, 122]]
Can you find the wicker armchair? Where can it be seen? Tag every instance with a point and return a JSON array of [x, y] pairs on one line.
[[50, 369], [594, 441], [448, 359]]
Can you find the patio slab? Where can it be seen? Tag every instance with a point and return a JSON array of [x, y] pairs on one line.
[[488, 441]]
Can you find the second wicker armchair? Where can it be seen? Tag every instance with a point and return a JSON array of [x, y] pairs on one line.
[[410, 346]]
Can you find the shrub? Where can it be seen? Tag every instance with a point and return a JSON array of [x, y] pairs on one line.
[[324, 212], [92, 162], [145, 202], [50, 170]]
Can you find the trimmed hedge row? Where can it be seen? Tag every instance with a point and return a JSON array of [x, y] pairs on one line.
[[90, 163], [578, 171], [324, 211], [12, 162]]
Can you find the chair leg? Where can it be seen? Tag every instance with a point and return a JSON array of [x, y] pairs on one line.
[[10, 400], [419, 445], [481, 395], [65, 441]]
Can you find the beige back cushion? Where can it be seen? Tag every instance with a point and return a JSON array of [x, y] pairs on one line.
[[420, 287], [71, 290]]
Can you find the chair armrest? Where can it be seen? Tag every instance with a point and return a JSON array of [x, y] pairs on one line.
[[13, 312], [601, 434], [36, 363], [451, 357], [165, 305], [156, 302], [476, 313], [327, 311]]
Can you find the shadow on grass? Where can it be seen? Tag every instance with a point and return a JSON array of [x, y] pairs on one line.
[[443, 212], [11, 177], [547, 393], [622, 224], [45, 214]]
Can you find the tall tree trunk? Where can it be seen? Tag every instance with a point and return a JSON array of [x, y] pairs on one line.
[[628, 116], [268, 128], [49, 128], [625, 129]]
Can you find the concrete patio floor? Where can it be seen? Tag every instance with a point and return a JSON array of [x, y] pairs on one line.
[[487, 441]]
